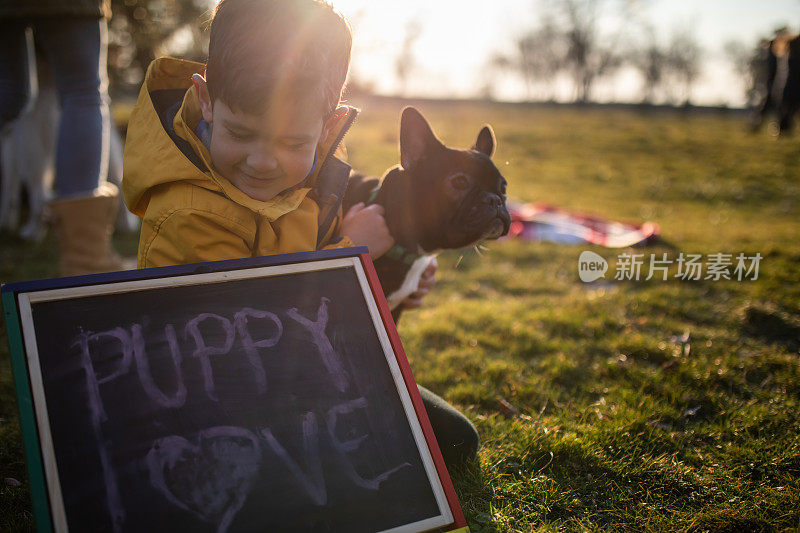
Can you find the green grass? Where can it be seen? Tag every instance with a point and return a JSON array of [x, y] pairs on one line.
[[621, 425]]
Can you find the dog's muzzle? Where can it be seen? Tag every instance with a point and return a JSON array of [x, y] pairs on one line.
[[497, 229], [487, 216]]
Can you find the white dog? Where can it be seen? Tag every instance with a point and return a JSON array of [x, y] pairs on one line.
[[27, 152]]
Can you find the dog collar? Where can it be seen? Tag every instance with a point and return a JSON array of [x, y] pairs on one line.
[[400, 254], [373, 195]]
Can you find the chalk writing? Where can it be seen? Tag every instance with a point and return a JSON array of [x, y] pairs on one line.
[[143, 367], [313, 482], [212, 474], [317, 329], [211, 479], [251, 346], [352, 444], [203, 352], [98, 413]]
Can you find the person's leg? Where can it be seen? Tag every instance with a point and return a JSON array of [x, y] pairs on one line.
[[788, 109], [76, 48], [14, 73], [762, 114], [457, 437], [86, 205]]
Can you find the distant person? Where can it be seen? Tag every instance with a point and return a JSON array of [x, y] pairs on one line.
[[790, 101], [221, 159], [73, 38], [775, 72]]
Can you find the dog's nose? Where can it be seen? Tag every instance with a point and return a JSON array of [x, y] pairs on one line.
[[492, 200]]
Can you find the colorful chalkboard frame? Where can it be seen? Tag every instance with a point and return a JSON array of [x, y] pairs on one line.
[[16, 298]]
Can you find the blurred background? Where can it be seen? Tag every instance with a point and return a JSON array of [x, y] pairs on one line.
[[655, 51], [663, 404]]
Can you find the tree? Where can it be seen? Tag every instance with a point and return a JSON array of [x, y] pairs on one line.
[[651, 62], [683, 61], [588, 56], [539, 56], [749, 63], [567, 40], [405, 61], [141, 30]]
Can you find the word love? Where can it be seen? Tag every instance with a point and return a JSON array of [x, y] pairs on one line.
[[228, 460]]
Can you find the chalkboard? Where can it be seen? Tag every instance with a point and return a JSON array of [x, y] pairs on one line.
[[266, 396]]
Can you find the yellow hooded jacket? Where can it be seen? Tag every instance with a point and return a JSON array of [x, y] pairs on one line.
[[190, 213]]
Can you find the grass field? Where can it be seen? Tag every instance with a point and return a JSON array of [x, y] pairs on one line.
[[642, 405]]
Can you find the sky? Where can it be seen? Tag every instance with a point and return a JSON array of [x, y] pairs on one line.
[[457, 38]]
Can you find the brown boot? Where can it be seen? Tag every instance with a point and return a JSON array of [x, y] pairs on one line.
[[84, 226]]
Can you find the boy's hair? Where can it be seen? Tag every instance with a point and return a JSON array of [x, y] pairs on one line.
[[265, 50]]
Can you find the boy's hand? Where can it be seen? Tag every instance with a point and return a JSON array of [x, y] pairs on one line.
[[366, 227], [426, 283]]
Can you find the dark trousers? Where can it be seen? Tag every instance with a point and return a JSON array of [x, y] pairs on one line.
[[457, 437]]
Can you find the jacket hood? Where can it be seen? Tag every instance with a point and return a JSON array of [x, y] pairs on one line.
[[162, 147]]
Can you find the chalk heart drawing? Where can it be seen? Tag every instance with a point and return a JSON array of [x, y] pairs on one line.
[[211, 478]]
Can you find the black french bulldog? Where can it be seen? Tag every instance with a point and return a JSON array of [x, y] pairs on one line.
[[437, 198]]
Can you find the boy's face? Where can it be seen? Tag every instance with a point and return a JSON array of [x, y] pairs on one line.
[[262, 154]]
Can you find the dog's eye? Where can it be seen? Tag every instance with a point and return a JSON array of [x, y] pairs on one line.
[[503, 188], [460, 182]]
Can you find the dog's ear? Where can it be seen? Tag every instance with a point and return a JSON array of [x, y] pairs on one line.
[[485, 141], [416, 137]]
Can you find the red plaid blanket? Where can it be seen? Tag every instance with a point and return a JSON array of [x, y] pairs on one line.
[[543, 222]]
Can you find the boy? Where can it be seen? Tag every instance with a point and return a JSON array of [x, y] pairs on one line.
[[225, 166], [219, 171]]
